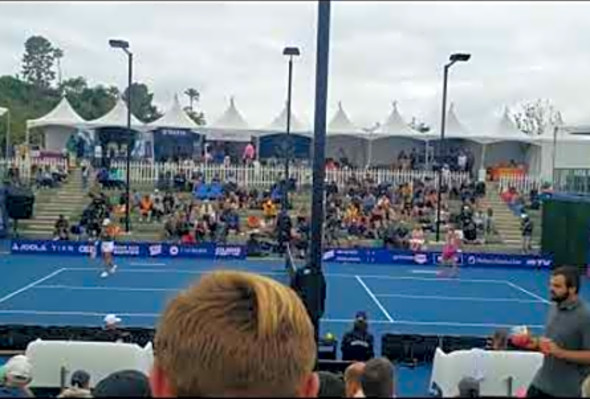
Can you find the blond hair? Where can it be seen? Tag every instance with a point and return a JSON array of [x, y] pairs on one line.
[[235, 333], [586, 388]]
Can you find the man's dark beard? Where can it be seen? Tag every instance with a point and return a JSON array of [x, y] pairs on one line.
[[559, 299]]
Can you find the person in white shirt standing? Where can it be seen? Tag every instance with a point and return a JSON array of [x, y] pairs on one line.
[[462, 161]]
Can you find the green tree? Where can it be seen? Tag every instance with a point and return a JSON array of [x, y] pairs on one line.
[[197, 117], [25, 101], [58, 54], [142, 103], [193, 96], [37, 62], [89, 102]]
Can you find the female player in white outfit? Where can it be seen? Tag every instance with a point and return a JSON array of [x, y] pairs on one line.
[[107, 247]]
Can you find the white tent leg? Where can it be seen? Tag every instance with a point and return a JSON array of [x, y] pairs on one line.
[[370, 153], [482, 167]]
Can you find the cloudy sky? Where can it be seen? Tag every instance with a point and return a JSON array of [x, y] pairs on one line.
[[379, 52]]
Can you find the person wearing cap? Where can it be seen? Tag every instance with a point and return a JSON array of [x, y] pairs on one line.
[[108, 247], [17, 375], [111, 331], [79, 386], [357, 344]]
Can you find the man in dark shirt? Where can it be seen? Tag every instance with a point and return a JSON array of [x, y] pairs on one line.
[[566, 344], [357, 344]]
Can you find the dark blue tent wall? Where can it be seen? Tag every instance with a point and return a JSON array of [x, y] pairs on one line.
[[171, 143], [273, 146]]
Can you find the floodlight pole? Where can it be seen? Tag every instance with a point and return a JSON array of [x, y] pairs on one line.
[[288, 138]]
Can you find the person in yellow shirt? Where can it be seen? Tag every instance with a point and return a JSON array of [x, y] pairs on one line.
[[269, 209]]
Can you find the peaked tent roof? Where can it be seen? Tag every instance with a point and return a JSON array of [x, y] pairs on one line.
[[175, 118], [395, 126], [456, 130], [279, 123], [341, 124], [231, 118], [62, 115], [506, 130], [116, 117]]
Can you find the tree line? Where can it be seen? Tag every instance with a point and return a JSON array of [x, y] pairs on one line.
[[39, 88]]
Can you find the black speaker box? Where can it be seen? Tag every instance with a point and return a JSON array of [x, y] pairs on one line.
[[19, 202]]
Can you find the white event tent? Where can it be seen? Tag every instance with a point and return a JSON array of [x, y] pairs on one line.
[[174, 118], [344, 140], [272, 136], [116, 121], [279, 125], [57, 125], [394, 136], [116, 118], [175, 125], [505, 142], [566, 149], [230, 126]]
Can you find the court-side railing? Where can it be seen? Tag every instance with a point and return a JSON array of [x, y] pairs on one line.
[[24, 165], [522, 183], [265, 176]]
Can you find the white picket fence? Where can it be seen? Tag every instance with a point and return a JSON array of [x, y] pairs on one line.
[[266, 176], [522, 183], [24, 165]]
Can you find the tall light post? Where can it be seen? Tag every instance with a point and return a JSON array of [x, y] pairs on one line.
[[457, 57], [124, 45], [7, 139], [290, 52]]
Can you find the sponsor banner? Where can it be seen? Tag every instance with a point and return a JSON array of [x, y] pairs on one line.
[[338, 255], [388, 257], [154, 250]]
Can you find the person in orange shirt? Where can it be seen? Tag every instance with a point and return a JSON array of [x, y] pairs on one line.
[[145, 207], [269, 209]]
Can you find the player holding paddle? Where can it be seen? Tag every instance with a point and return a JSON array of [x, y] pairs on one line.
[[107, 246], [449, 253]]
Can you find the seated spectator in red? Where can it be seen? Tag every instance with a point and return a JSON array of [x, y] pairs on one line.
[[235, 334], [188, 238]]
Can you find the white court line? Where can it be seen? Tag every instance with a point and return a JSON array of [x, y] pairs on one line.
[[365, 276], [327, 320], [423, 271], [103, 288], [146, 264], [34, 283], [432, 323], [370, 293], [170, 271], [382, 276], [454, 298], [529, 293], [75, 313], [148, 289]]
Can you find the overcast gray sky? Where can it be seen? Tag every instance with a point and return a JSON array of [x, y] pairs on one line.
[[379, 52]]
